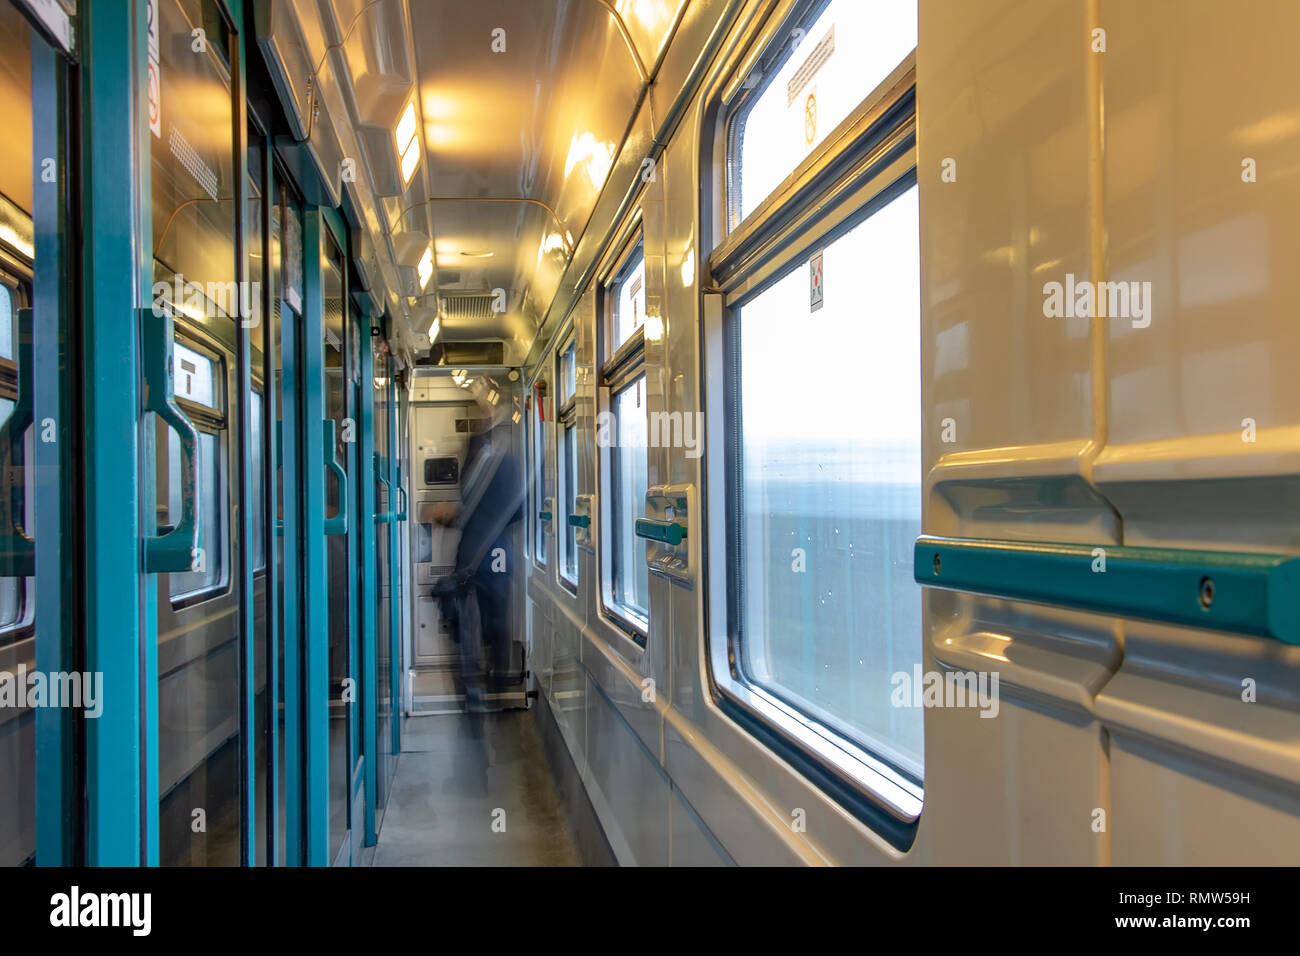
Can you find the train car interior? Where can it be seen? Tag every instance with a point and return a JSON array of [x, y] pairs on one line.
[[648, 432]]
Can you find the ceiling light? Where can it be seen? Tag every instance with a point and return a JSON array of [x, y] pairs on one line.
[[408, 143], [425, 268], [477, 254], [434, 330]]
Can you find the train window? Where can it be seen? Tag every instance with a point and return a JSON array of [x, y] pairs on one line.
[[7, 314], [628, 297], [567, 446], [830, 492], [621, 443], [539, 471], [821, 68], [259, 486], [196, 381], [628, 483]]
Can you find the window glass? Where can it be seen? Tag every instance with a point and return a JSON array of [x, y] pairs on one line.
[[568, 375], [212, 532], [628, 482], [11, 588], [833, 481], [258, 486], [628, 295], [539, 473], [7, 314], [837, 60], [569, 477], [194, 376]]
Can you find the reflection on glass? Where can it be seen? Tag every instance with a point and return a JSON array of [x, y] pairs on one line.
[[839, 59], [339, 569], [629, 299], [192, 179], [210, 565], [569, 473], [835, 476], [629, 481], [539, 475]]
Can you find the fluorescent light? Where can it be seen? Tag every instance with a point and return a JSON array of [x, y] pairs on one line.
[[405, 131], [410, 159], [434, 330], [425, 268]]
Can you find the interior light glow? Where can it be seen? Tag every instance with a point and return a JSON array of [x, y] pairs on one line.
[[425, 268], [408, 144], [405, 128], [595, 157], [688, 267], [434, 330]]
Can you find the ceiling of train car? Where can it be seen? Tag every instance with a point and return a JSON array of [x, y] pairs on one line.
[[523, 104]]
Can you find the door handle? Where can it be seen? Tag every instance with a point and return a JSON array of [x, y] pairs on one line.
[[339, 523], [669, 532], [401, 515], [175, 549], [17, 549]]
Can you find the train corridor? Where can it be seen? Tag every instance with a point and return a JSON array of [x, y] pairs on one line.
[[473, 790]]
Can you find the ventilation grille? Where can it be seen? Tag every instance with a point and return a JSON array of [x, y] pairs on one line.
[[465, 353], [468, 307]]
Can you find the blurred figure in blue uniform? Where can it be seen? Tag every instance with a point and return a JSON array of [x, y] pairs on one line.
[[476, 596]]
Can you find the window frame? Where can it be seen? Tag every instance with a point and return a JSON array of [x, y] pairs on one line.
[[860, 167], [537, 469], [214, 421], [17, 278], [566, 424], [619, 367]]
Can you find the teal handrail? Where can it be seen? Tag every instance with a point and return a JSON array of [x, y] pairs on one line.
[[1220, 590], [339, 523], [174, 550], [668, 532], [17, 548]]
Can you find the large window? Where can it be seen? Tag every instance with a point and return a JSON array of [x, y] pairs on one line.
[[829, 488], [567, 447], [621, 436], [814, 77], [16, 593], [819, 346], [540, 518]]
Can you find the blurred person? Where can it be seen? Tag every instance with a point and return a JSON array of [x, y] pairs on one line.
[[476, 596]]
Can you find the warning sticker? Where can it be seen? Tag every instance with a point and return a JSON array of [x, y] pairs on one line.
[[155, 72], [808, 69], [816, 283]]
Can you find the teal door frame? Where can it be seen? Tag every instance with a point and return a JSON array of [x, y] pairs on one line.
[[53, 496], [292, 528], [315, 607], [394, 620], [121, 744], [367, 544]]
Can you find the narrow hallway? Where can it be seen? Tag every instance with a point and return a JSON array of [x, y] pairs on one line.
[[473, 791]]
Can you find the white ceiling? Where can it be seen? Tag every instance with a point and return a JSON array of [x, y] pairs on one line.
[[516, 143]]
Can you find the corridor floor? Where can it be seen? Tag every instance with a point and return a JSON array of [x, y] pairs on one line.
[[473, 791]]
